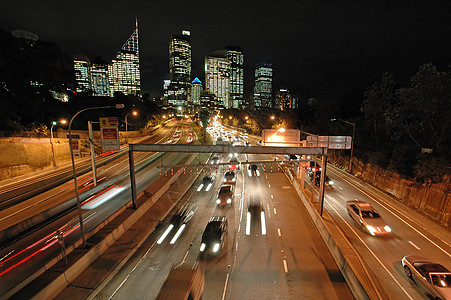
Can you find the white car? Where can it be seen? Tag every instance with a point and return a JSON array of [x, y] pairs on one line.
[[367, 217], [433, 278]]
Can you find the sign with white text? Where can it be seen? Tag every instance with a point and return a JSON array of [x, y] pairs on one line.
[[109, 133]]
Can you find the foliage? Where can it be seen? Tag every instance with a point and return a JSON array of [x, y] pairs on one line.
[[404, 120]]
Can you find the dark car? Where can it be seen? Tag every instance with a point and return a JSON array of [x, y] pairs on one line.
[[178, 223], [253, 170], [328, 182], [214, 236], [234, 163], [255, 216], [432, 277], [229, 177], [225, 196], [215, 160], [206, 183]]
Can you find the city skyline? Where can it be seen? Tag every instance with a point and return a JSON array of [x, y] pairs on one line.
[[317, 49]]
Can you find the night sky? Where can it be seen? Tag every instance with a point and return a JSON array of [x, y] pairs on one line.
[[321, 49]]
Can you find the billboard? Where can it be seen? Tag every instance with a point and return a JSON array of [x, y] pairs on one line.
[[109, 133], [330, 142], [281, 137]]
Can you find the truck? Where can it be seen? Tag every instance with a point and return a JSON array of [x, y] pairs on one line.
[[183, 283]]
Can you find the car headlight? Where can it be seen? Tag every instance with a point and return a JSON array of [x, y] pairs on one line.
[[229, 201], [387, 228], [218, 201], [331, 182], [216, 247], [371, 229], [225, 179], [234, 179], [202, 247]]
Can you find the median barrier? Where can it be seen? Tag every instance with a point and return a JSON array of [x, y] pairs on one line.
[[346, 257]]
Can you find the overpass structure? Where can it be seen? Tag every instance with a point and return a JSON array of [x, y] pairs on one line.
[[188, 148]]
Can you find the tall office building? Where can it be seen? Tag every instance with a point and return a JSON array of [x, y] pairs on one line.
[[99, 78], [82, 67], [124, 75], [285, 100], [263, 86], [196, 90], [236, 57], [217, 77], [179, 68]]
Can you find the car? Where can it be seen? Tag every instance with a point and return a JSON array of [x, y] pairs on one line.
[[229, 177], [215, 160], [291, 157], [179, 221], [432, 277], [206, 183], [214, 236], [313, 166], [255, 216], [234, 163], [225, 196], [365, 215], [327, 183], [253, 170]]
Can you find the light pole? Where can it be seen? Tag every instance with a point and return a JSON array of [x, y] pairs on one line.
[[80, 217], [352, 141], [51, 139], [135, 113]]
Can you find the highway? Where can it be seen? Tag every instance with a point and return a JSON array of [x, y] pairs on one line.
[[411, 234], [289, 262], [30, 248]]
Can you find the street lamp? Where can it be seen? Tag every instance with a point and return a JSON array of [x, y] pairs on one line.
[[352, 141], [135, 113], [80, 217], [51, 139], [272, 117]]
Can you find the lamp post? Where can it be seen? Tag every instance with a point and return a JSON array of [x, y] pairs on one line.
[[80, 217], [135, 113], [352, 141], [51, 139]]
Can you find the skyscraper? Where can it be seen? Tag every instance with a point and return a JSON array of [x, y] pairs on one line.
[[99, 78], [263, 86], [179, 68], [82, 67], [217, 77], [285, 100], [236, 57], [124, 75], [196, 90]]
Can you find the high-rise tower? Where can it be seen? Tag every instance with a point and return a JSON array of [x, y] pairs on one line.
[[124, 75], [82, 67], [236, 57], [179, 68], [263, 86], [217, 77]]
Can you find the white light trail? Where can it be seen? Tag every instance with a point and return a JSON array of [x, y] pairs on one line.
[[165, 234], [177, 234]]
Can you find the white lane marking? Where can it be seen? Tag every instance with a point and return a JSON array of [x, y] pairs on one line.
[[340, 188], [269, 184], [134, 268], [275, 211], [405, 216], [285, 266], [361, 240], [418, 248], [278, 231], [225, 286], [272, 197], [236, 246], [177, 234]]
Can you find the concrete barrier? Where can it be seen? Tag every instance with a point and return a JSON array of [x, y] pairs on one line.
[[346, 257]]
